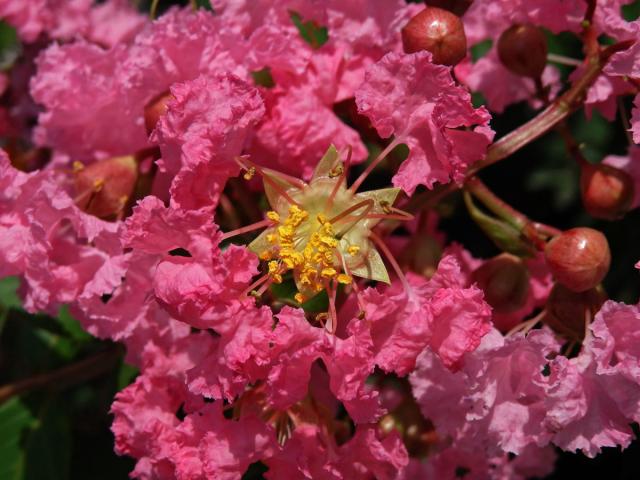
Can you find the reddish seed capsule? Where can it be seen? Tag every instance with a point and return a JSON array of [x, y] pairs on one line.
[[156, 107], [104, 187], [567, 311], [523, 50], [505, 282], [607, 192], [458, 7], [437, 31], [578, 258]]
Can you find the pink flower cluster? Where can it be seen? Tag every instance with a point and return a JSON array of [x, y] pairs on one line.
[[138, 220]]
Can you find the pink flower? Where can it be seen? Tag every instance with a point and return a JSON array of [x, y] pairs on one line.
[[47, 239], [438, 313], [419, 103], [497, 397], [60, 19], [114, 21]]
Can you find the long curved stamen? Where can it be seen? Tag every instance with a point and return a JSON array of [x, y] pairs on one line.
[[383, 154], [331, 293], [353, 221], [354, 285], [255, 284], [341, 180], [267, 178], [368, 203], [247, 164], [247, 229], [392, 261]]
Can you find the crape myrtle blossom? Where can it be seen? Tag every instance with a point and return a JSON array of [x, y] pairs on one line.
[[276, 341], [105, 23]]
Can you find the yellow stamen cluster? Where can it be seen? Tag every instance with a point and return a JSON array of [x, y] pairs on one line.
[[309, 251]]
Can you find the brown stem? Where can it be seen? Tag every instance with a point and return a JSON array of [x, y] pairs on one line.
[[65, 376], [550, 116]]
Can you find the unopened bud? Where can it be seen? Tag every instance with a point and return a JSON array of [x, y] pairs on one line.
[[567, 312], [523, 50], [156, 108], [607, 192], [104, 187], [458, 7], [505, 282], [437, 31], [578, 258]]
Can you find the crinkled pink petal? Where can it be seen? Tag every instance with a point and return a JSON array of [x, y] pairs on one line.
[[420, 104], [635, 119], [296, 132], [207, 123], [114, 21]]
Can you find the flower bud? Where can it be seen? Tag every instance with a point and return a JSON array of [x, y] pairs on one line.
[[567, 311], [505, 282], [523, 50], [457, 7], [104, 187], [578, 258], [607, 192], [437, 31], [156, 107]]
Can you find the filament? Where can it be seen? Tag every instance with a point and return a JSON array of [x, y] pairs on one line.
[[247, 229], [383, 154]]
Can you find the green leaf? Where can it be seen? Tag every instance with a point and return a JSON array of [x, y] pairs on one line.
[[15, 420], [204, 4], [71, 326], [263, 78], [8, 296], [48, 445], [312, 33], [10, 47], [504, 236]]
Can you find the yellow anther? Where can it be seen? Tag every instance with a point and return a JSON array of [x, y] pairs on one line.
[[329, 241], [77, 166], [277, 278], [386, 208], [299, 297], [353, 249], [328, 272], [273, 266], [265, 255], [273, 216], [98, 183], [271, 238], [322, 219], [336, 171], [344, 279], [251, 171]]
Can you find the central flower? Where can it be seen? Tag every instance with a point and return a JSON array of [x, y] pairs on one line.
[[321, 230]]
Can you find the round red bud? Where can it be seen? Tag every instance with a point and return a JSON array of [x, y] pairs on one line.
[[523, 50], [505, 282], [156, 108], [567, 311], [458, 7], [437, 31], [104, 187], [578, 258], [607, 192]]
